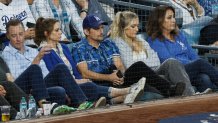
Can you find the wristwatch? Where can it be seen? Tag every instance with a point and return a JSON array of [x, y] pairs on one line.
[[84, 10]]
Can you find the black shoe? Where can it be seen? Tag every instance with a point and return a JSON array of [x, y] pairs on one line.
[[178, 89]]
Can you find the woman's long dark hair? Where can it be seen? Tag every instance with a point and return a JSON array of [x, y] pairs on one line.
[[155, 22]]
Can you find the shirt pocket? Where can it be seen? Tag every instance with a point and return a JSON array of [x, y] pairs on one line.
[[93, 64]]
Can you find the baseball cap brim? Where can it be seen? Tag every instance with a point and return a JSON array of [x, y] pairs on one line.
[[100, 23]]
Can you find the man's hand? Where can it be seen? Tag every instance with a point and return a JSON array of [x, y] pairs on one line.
[[115, 79], [2, 91], [30, 33]]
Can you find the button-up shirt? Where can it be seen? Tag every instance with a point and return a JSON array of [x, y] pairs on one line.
[[18, 62], [98, 59]]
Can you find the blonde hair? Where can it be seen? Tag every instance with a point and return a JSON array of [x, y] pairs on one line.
[[121, 21]]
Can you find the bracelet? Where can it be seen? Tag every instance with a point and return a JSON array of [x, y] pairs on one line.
[[84, 10]]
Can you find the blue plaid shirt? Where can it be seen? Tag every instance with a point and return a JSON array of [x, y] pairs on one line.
[[98, 59]]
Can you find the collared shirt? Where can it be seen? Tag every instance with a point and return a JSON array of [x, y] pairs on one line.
[[179, 49], [18, 62], [98, 59]]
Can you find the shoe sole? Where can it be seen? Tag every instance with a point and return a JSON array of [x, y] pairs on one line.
[[180, 87], [142, 82], [141, 93], [101, 102], [207, 91]]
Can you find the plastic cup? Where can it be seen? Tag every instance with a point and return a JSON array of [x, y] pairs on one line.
[[5, 110], [46, 107]]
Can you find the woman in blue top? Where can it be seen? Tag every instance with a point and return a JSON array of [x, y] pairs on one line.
[[48, 33], [168, 42]]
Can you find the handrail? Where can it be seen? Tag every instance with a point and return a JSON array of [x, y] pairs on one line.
[[156, 2], [205, 47], [131, 5]]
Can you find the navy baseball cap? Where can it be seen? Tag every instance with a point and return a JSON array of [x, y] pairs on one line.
[[92, 21]]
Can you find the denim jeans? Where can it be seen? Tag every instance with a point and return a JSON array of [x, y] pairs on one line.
[[198, 67], [57, 94], [78, 93], [93, 91], [61, 76], [203, 82], [31, 82]]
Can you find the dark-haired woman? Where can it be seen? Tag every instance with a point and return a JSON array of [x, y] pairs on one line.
[[169, 42]]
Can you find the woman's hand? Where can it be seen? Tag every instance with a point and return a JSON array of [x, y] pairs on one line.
[[44, 50]]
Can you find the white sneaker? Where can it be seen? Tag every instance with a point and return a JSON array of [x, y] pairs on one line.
[[101, 102], [207, 91], [136, 91]]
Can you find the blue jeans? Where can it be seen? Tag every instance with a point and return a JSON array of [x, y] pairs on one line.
[[201, 69], [61, 76], [203, 82], [31, 82], [57, 94], [93, 91]]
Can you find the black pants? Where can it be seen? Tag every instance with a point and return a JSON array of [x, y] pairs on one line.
[[138, 70], [154, 83], [12, 97]]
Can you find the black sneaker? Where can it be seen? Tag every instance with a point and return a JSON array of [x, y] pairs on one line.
[[178, 89]]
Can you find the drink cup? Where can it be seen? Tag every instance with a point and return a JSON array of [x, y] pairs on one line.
[[46, 108], [5, 110]]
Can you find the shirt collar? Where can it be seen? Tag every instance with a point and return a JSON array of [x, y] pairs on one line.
[[14, 50], [88, 46]]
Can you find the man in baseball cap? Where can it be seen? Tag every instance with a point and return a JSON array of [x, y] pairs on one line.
[[98, 59], [94, 54]]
